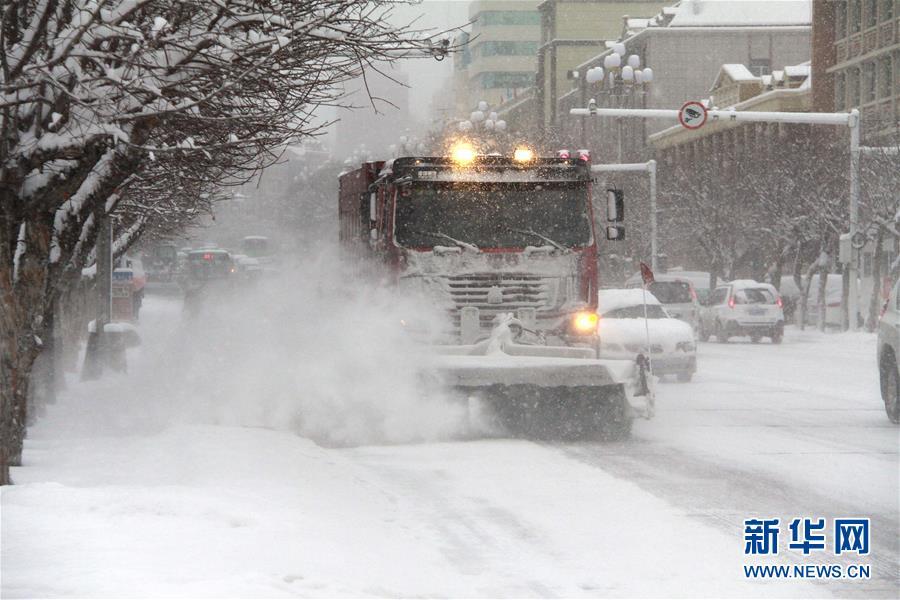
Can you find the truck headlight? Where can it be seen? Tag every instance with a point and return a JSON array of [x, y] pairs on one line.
[[523, 154], [585, 322], [686, 346], [463, 153]]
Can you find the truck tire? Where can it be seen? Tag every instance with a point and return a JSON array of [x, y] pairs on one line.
[[890, 387]]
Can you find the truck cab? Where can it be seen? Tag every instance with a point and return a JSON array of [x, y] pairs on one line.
[[482, 236]]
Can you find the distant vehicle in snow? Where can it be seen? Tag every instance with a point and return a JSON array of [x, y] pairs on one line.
[[889, 355], [207, 271], [623, 332], [246, 267], [833, 294], [209, 265], [259, 248], [677, 294], [743, 307], [161, 262]]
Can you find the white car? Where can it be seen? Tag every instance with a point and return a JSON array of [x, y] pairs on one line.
[[833, 294], [623, 333], [743, 307]]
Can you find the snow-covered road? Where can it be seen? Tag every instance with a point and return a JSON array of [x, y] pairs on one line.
[[118, 500]]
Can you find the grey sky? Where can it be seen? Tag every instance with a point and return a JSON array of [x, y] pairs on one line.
[[427, 75]]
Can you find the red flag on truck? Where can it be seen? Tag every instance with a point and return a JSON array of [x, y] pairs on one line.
[[646, 274]]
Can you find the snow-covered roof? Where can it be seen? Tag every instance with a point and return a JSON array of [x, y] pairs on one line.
[[699, 279], [637, 22], [611, 299], [740, 284], [209, 251], [797, 70], [741, 13], [738, 72]]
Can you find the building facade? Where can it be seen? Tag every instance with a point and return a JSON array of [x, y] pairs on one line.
[[498, 62], [686, 46], [572, 31], [863, 64]]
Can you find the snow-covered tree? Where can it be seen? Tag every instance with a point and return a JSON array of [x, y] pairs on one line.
[[880, 217], [104, 103]]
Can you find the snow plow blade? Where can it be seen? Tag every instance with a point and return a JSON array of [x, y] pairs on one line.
[[547, 391]]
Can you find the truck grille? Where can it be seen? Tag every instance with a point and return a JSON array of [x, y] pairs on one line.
[[513, 290]]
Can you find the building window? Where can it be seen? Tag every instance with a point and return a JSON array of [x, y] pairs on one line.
[[840, 91], [884, 78], [760, 66], [505, 79], [887, 10], [852, 87], [855, 16], [507, 48], [488, 18], [840, 20], [871, 13], [869, 82], [895, 80]]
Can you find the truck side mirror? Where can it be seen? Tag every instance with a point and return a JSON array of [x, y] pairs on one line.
[[615, 205], [615, 233]]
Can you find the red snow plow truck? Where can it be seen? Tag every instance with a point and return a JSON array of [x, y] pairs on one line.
[[505, 247]]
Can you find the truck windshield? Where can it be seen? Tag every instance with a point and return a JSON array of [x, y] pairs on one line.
[[501, 215]]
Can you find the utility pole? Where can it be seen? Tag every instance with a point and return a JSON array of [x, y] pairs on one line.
[[853, 296], [95, 355], [850, 120]]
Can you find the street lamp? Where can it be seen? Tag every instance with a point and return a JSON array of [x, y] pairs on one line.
[[484, 120], [622, 78]]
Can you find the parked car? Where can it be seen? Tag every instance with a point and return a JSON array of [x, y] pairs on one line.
[[743, 307], [623, 332], [790, 294], [699, 279], [677, 295], [889, 355]]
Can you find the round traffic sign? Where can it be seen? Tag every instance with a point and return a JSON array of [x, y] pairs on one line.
[[692, 115]]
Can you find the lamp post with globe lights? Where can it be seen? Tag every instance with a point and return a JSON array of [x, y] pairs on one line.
[[483, 122], [621, 81]]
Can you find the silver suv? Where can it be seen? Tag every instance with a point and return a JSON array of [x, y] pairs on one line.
[[677, 294], [889, 355]]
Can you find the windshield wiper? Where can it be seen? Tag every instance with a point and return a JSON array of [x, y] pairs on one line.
[[553, 243], [460, 243]]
